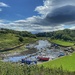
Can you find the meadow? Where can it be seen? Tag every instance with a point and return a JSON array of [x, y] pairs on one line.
[[66, 62], [8, 40], [62, 42], [11, 40]]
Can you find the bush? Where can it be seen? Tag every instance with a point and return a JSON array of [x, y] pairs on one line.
[[21, 39]]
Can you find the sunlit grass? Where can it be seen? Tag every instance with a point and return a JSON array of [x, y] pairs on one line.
[[67, 63], [63, 43]]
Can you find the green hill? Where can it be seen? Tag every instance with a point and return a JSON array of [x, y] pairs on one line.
[[10, 38], [66, 35], [66, 62]]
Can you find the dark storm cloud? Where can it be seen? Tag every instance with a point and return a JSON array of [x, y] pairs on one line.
[[61, 15], [62, 2], [57, 12], [65, 14]]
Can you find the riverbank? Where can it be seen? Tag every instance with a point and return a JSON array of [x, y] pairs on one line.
[[40, 47]]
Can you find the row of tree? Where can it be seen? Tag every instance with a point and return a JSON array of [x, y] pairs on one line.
[[18, 33], [67, 35]]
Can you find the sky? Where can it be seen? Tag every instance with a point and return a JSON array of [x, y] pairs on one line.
[[37, 15]]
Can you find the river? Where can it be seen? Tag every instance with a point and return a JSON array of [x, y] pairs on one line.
[[39, 48]]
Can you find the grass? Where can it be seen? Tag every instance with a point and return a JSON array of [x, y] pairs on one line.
[[8, 40], [29, 40], [11, 40], [67, 63], [17, 69], [18, 50], [63, 43]]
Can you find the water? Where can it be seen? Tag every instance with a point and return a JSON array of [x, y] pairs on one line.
[[18, 58], [14, 59]]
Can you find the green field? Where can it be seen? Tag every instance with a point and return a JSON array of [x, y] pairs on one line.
[[63, 43], [66, 62], [8, 40], [11, 40]]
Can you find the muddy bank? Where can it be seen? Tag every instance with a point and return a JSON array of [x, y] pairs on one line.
[[9, 49], [30, 51], [5, 55]]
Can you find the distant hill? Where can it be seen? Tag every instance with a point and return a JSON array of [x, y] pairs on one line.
[[66, 35], [18, 33]]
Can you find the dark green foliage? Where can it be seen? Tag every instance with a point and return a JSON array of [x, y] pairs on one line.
[[66, 35], [21, 39], [18, 33], [10, 38]]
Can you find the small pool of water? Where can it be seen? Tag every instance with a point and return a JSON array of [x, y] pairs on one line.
[[14, 59]]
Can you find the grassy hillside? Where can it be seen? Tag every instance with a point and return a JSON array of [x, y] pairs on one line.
[[67, 63], [8, 40], [11, 38]]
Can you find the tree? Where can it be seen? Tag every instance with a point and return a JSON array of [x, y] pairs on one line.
[[21, 39]]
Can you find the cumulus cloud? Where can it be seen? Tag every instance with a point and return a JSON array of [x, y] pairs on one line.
[[23, 25], [55, 14], [45, 8], [73, 27], [1, 21], [62, 15], [50, 5]]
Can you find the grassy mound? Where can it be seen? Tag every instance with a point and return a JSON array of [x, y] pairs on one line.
[[67, 63]]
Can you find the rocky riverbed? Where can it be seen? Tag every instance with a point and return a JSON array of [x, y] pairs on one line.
[[39, 48]]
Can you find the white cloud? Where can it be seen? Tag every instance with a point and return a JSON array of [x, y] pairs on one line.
[[26, 25], [72, 27], [3, 4], [45, 9], [1, 21], [40, 23]]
